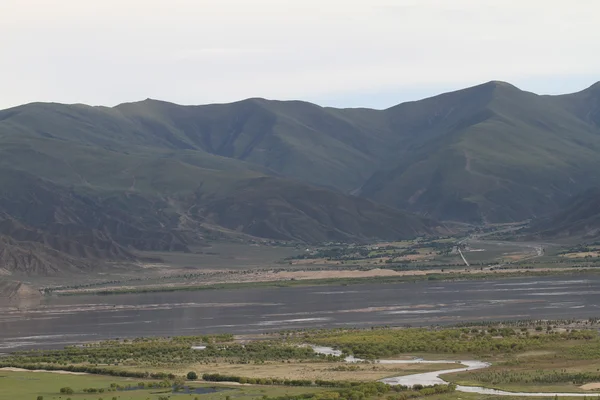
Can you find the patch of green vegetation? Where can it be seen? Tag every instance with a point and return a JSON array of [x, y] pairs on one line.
[[539, 377], [588, 351], [113, 357], [353, 252], [386, 342]]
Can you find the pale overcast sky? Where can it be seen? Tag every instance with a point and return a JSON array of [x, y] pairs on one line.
[[346, 53]]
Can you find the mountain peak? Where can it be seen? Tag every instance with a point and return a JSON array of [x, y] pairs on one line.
[[500, 85]]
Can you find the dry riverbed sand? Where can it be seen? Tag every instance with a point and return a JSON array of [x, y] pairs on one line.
[[42, 370], [591, 386]]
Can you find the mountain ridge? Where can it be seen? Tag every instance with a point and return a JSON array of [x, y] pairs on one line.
[[154, 175]]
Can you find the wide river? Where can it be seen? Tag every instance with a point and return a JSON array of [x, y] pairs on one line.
[[58, 321]]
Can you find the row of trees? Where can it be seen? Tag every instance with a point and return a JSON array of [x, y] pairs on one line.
[[256, 381], [360, 391], [89, 370], [495, 377]]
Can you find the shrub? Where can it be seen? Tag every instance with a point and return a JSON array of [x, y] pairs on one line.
[[66, 390], [192, 376]]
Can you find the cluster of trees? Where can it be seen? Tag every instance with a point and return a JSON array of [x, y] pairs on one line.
[[377, 343], [421, 391], [92, 390], [114, 387], [357, 391], [534, 377], [360, 391], [353, 253], [256, 381]]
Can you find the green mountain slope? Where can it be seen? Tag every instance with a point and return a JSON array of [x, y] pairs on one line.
[[491, 153], [295, 139]]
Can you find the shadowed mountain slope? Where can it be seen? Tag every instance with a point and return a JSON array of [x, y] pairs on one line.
[[580, 217]]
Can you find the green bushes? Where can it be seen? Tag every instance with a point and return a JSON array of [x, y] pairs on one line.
[[66, 390], [92, 370], [496, 377], [345, 368], [165, 351], [420, 391], [360, 391], [378, 343], [256, 381], [114, 387], [588, 351]]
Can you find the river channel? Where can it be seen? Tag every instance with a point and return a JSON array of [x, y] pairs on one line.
[[60, 321]]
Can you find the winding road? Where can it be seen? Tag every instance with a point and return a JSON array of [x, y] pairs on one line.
[[433, 378]]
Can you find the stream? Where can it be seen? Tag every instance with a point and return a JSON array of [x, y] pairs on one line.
[[433, 378]]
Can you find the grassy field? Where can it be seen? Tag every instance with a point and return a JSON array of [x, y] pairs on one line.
[[333, 371], [30, 385]]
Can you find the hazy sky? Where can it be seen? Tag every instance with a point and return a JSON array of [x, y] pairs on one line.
[[345, 53]]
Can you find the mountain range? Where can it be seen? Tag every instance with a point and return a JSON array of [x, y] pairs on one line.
[[82, 184]]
